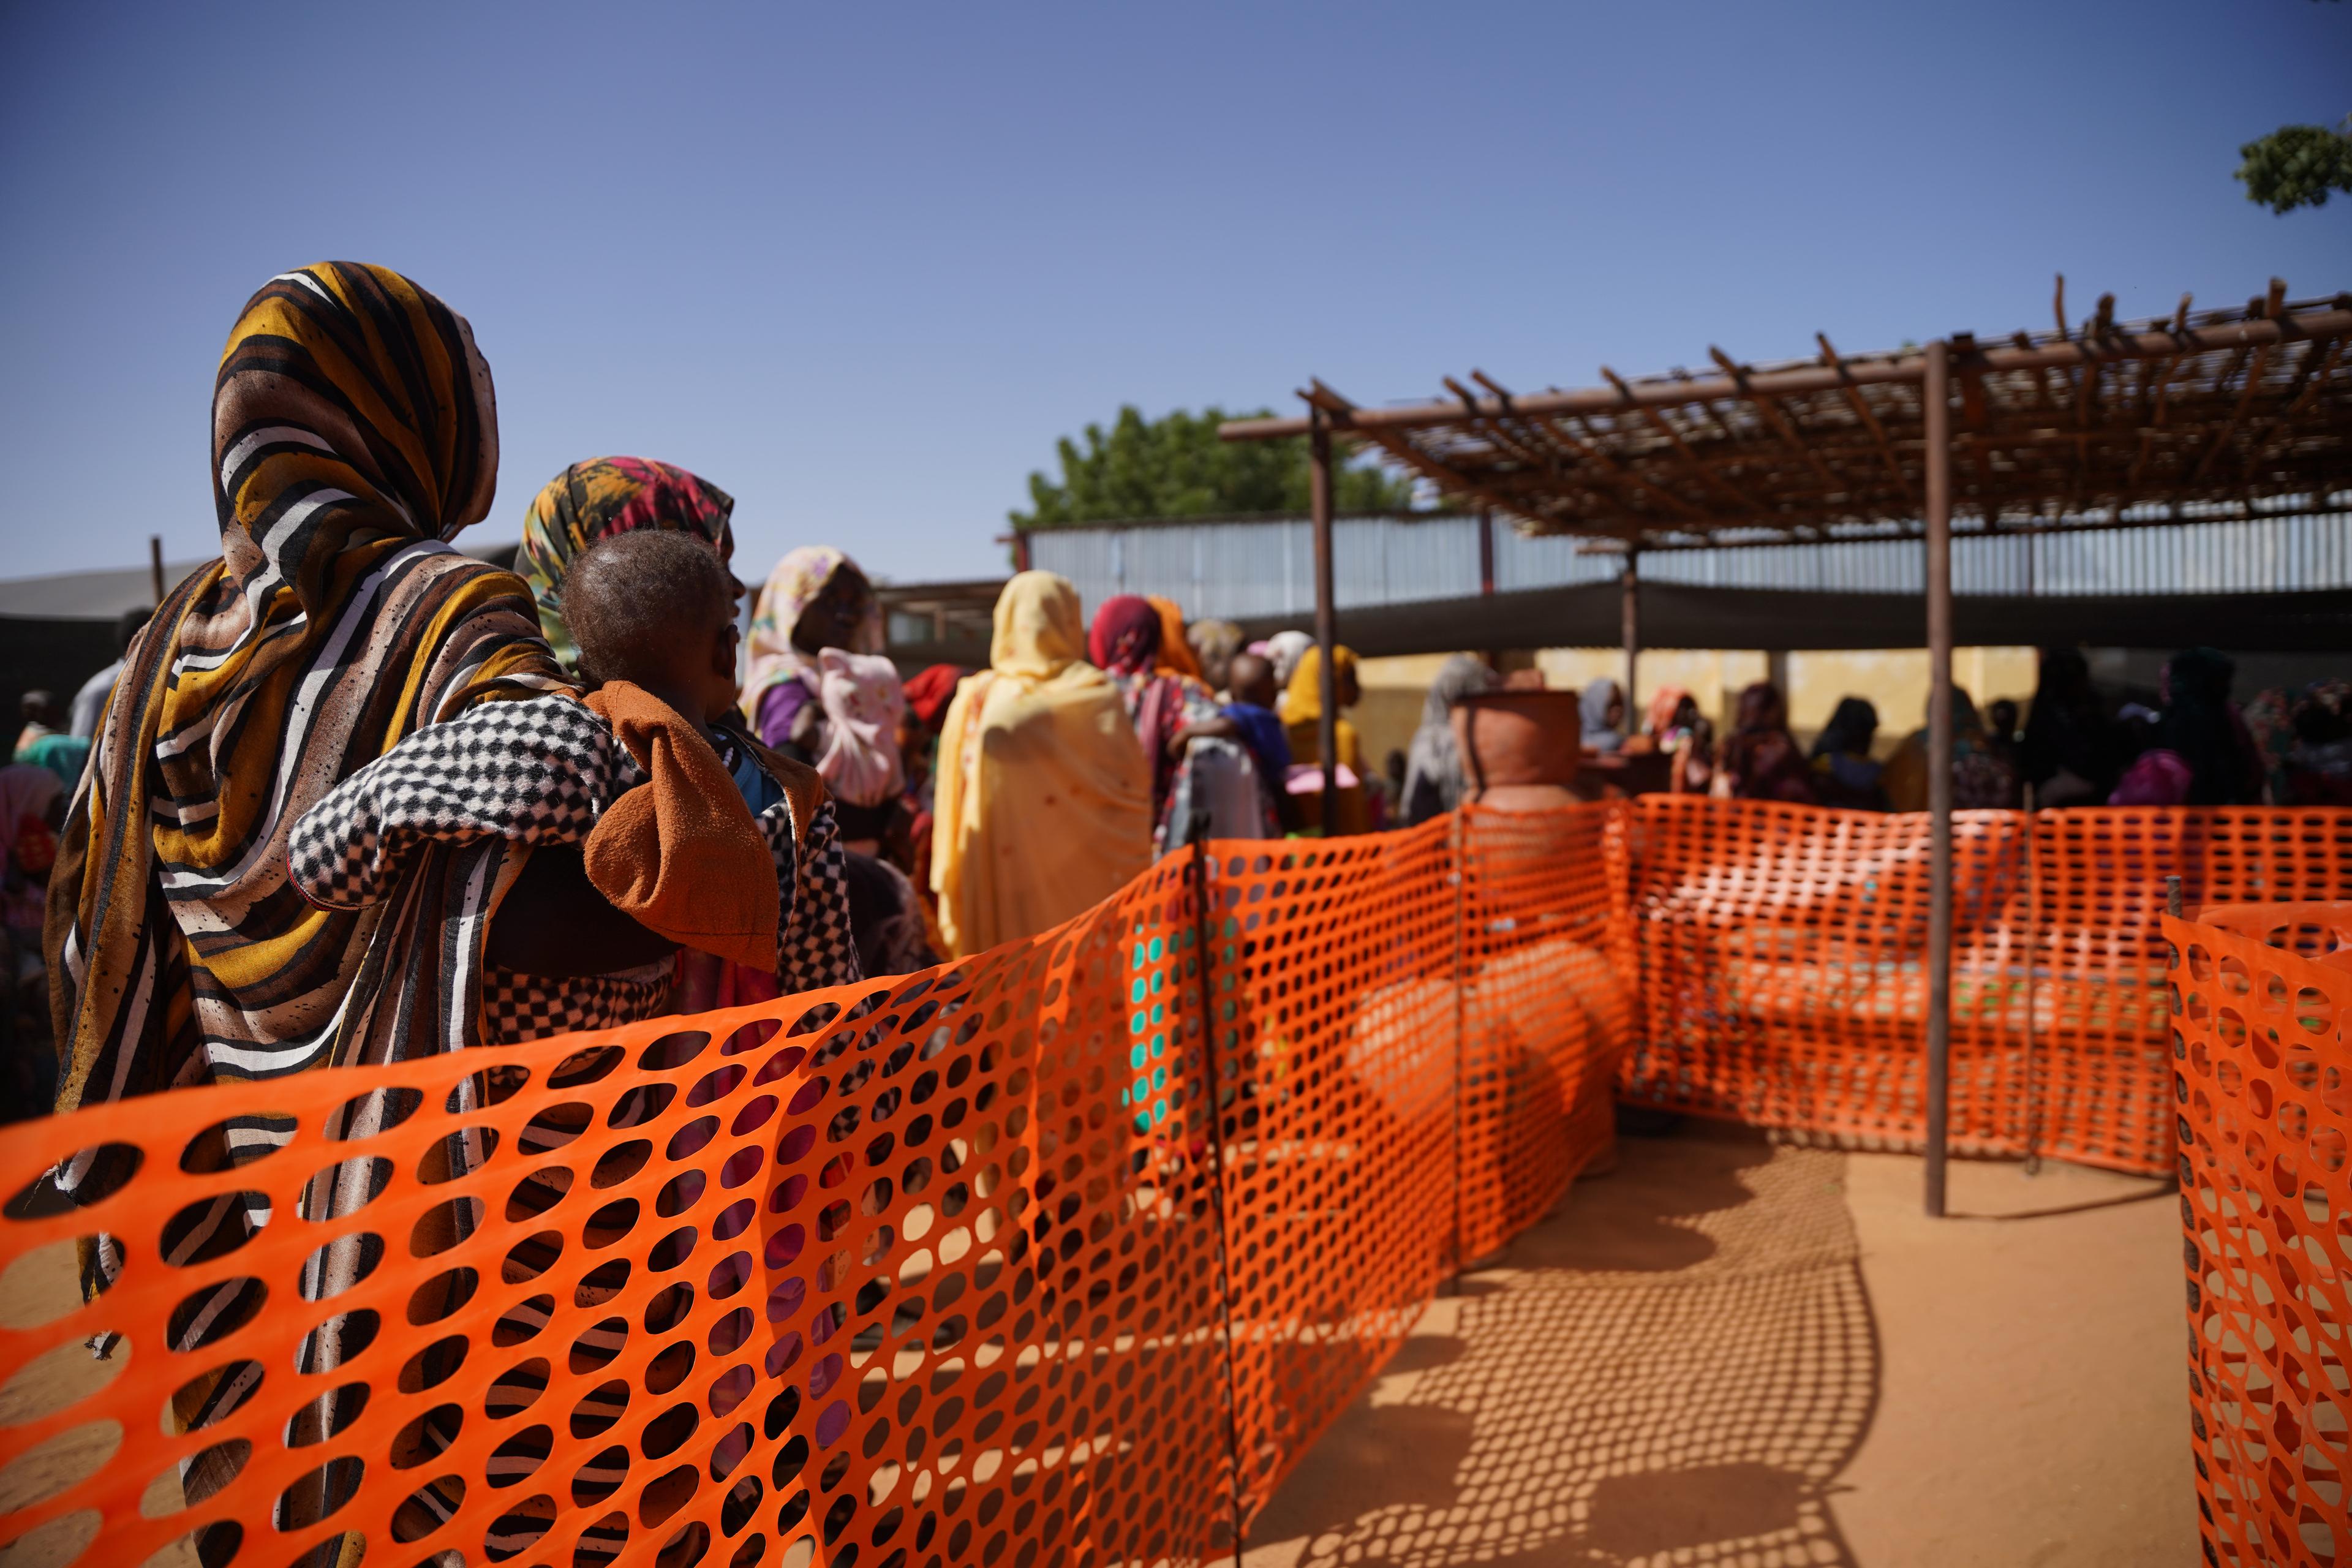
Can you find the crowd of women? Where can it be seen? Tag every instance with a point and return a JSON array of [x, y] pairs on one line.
[[2196, 747]]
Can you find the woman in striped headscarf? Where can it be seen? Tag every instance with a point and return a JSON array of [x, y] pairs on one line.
[[354, 435], [601, 497]]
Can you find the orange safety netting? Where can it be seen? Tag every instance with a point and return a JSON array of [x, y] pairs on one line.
[[1782, 955], [2263, 1090], [930, 1270], [1064, 1253]]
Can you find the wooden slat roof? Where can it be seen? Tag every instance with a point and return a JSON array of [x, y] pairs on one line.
[[2203, 414]]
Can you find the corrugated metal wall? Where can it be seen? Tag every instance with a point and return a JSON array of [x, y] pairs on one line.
[[1256, 568]]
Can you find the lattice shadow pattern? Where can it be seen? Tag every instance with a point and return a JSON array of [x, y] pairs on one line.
[[1671, 1371]]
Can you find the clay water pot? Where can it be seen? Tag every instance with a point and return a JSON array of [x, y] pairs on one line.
[[1518, 749]]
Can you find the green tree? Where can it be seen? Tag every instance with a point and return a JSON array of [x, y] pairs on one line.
[[2297, 165], [1176, 466]]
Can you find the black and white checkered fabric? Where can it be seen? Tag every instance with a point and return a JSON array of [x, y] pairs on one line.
[[816, 947], [536, 772], [518, 1007], [541, 772]]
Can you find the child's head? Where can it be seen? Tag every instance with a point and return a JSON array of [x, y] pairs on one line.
[[1250, 678], [655, 607]]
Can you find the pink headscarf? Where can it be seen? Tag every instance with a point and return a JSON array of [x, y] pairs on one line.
[[791, 588], [863, 699]]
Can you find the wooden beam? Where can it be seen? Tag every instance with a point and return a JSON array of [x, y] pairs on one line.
[[1860, 406], [1814, 378], [1769, 409], [1659, 422], [1596, 455]]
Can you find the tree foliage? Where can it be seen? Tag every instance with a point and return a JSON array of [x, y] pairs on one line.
[[1176, 466], [2297, 165]]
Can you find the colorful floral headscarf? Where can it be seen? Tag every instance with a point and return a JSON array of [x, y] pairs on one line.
[[598, 499], [795, 584]]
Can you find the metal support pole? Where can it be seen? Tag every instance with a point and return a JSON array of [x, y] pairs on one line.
[[1630, 617], [1934, 392], [155, 566], [1327, 630]]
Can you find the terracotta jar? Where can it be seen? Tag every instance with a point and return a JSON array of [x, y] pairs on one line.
[[1518, 748]]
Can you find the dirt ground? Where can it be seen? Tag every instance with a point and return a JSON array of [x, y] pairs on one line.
[[1728, 1352]]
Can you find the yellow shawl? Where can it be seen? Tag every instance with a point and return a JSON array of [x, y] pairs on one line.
[[1044, 798]]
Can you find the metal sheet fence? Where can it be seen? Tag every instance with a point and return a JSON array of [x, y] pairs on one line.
[[2262, 1086], [1782, 960], [1061, 1254]]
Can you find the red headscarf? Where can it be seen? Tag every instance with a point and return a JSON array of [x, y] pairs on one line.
[[927, 694], [1125, 634]]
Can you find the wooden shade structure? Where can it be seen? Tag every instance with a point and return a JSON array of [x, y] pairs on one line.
[[2200, 417]]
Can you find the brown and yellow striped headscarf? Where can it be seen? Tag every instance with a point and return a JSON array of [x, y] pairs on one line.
[[353, 434]]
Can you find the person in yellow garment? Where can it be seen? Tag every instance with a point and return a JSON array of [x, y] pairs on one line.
[[1302, 715], [1043, 805]]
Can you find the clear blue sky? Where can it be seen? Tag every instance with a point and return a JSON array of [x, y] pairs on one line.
[[861, 265]]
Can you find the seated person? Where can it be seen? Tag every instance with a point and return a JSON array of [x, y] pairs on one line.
[[651, 827]]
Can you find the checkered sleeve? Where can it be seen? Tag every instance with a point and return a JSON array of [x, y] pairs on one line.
[[531, 772], [816, 947]]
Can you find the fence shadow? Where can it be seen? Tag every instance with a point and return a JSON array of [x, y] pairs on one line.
[[1673, 1368]]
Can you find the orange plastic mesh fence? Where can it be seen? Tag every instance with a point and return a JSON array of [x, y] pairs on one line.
[[2263, 1090], [928, 1270], [1781, 954], [934, 1270]]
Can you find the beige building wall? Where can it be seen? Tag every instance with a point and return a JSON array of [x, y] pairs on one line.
[[1894, 679]]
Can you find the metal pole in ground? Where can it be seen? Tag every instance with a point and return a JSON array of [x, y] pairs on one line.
[[1326, 631], [155, 566], [1934, 392], [1630, 622]]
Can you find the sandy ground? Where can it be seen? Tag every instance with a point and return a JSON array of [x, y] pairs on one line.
[[1731, 1354]]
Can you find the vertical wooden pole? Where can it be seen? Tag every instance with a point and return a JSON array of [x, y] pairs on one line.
[[155, 566], [1630, 622], [1936, 396], [1326, 631]]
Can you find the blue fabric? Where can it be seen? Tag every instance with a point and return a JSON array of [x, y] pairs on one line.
[[751, 780], [1263, 733]]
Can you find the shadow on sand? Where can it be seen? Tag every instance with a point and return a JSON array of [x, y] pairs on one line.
[[1672, 1369]]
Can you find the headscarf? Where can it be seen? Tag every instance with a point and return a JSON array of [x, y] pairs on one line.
[[1126, 635], [1760, 757], [2200, 727], [1284, 650], [598, 499], [1128, 642], [1215, 644], [1850, 731], [1665, 704], [862, 701], [1044, 803], [354, 433], [1302, 697], [1175, 649], [929, 692], [1433, 764], [795, 584], [1598, 734]]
